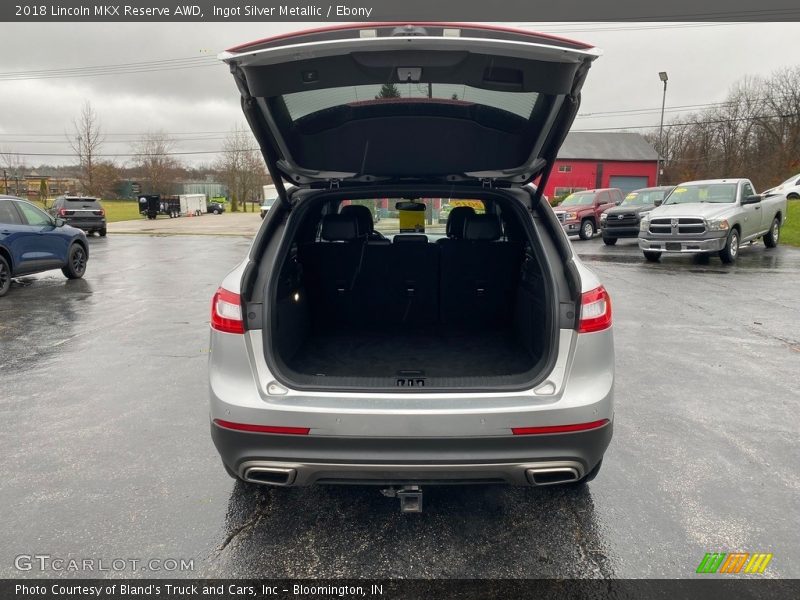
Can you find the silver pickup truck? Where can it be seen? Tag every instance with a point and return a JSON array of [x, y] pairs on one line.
[[716, 215]]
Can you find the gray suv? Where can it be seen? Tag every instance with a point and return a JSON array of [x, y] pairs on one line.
[[483, 354], [83, 212]]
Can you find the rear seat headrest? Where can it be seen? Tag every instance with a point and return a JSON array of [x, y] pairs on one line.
[[413, 238], [339, 228], [483, 228], [455, 221], [364, 216]]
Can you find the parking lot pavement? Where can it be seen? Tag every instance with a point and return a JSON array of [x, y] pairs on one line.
[[104, 434], [234, 224]]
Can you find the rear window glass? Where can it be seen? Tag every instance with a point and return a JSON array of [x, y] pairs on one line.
[[392, 216], [81, 201], [300, 104]]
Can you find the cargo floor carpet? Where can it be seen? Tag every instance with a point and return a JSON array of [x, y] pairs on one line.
[[371, 354]]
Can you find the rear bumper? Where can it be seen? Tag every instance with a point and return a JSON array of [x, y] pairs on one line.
[[86, 224], [310, 459]]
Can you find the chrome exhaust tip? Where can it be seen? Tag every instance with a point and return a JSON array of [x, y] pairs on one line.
[[270, 475], [552, 475]]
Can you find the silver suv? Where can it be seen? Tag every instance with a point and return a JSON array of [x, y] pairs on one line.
[[480, 354]]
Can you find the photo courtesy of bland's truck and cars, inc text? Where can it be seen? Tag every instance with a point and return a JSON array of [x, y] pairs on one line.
[[438, 303]]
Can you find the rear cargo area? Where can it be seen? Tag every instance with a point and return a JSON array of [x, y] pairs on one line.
[[446, 312], [412, 354]]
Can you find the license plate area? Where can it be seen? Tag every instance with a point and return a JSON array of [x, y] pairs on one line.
[[675, 246]]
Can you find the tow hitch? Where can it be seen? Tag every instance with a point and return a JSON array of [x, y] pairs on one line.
[[410, 497]]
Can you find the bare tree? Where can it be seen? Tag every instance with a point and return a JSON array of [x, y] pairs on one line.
[[754, 133], [153, 160], [14, 170], [86, 142], [107, 176], [241, 168]]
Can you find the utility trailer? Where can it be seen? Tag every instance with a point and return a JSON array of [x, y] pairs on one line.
[[193, 204], [150, 205], [171, 206]]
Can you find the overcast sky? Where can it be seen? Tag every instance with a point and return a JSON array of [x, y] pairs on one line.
[[200, 103]]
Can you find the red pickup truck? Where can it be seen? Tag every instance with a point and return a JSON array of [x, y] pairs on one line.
[[580, 212]]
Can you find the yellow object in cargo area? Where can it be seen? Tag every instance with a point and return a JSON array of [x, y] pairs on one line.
[[412, 216], [477, 205]]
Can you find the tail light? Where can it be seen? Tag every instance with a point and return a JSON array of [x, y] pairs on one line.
[[101, 212], [262, 428], [595, 311], [551, 429], [62, 212], [226, 312]]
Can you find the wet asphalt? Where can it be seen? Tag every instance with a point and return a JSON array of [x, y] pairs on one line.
[[106, 451]]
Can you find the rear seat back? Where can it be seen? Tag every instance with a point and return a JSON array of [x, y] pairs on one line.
[[466, 282], [479, 275], [455, 223], [331, 269], [403, 282]]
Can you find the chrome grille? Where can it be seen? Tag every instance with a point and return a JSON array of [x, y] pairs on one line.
[[561, 216], [680, 226]]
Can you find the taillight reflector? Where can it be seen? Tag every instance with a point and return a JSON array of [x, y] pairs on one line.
[[558, 428], [226, 312], [595, 311], [262, 428]]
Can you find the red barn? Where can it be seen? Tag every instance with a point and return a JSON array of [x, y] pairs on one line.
[[589, 160]]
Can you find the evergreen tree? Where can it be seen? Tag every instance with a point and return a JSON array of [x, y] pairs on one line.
[[388, 90]]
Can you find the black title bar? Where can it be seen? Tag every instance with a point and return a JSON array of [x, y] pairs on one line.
[[399, 10]]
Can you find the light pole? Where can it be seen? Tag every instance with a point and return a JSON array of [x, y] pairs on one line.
[[662, 75]]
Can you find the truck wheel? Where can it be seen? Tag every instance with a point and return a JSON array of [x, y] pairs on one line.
[[652, 256], [5, 276], [76, 262], [216, 211], [587, 229], [103, 232], [609, 241], [731, 250], [772, 238]]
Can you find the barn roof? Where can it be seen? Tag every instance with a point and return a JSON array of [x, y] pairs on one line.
[[607, 145]]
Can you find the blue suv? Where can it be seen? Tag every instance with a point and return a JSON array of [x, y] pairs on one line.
[[32, 241]]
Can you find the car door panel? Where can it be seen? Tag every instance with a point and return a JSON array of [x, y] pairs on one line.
[[753, 214], [42, 247]]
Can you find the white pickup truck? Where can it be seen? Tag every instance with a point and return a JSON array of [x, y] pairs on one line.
[[715, 215]]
